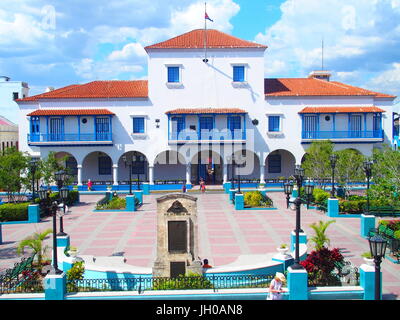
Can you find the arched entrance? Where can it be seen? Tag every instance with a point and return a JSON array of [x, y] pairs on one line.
[[69, 162], [249, 163], [139, 166], [97, 166], [169, 165], [207, 164], [279, 164]]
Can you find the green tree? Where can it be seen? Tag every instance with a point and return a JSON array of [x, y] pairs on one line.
[[320, 238], [35, 243], [316, 164], [13, 166], [386, 176], [349, 167]]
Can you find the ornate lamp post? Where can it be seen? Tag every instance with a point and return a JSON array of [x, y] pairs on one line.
[[43, 196], [129, 164], [238, 174], [367, 165], [230, 159], [63, 195], [333, 160], [288, 189], [33, 167], [298, 175], [377, 245], [308, 189]]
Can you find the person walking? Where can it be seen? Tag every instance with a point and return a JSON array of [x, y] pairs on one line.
[[89, 185], [202, 185], [275, 288]]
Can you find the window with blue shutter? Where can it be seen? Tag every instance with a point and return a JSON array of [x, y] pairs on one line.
[[234, 123], [138, 125], [173, 74], [273, 124], [104, 165], [274, 163], [206, 123], [238, 73]]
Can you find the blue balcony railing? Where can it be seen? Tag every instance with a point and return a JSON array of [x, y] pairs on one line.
[[208, 135], [69, 137], [326, 135]]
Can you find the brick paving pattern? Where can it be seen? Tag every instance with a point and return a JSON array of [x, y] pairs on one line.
[[224, 233]]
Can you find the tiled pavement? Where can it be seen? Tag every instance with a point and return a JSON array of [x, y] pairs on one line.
[[224, 233]]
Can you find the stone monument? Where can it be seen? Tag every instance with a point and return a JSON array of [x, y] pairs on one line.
[[177, 236]]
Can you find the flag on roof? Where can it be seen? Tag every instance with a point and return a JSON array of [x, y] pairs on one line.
[[207, 17]]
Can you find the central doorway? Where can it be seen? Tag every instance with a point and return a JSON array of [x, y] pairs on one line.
[[207, 165]]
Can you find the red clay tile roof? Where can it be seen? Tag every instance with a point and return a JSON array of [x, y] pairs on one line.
[[195, 39], [341, 109], [70, 112], [314, 87], [205, 111], [97, 89]]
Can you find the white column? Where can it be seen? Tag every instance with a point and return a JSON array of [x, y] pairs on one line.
[[262, 174], [79, 166], [225, 172], [151, 175], [188, 173], [115, 174]]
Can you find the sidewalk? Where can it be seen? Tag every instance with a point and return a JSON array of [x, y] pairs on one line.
[[224, 233]]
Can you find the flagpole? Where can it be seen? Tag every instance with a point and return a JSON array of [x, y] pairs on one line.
[[205, 33]]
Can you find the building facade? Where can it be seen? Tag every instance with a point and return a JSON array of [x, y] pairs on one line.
[[200, 110]]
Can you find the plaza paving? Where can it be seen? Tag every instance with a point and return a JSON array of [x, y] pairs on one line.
[[224, 233]]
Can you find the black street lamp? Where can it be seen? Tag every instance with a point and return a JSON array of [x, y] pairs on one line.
[[333, 159], [230, 159], [237, 173], [308, 189], [288, 189], [298, 175], [367, 165], [62, 195], [33, 167], [43, 196], [377, 245], [129, 164]]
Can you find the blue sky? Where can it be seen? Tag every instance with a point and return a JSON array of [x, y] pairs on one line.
[[57, 43]]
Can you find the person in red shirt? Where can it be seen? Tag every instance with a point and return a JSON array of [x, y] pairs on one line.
[[205, 264], [89, 185]]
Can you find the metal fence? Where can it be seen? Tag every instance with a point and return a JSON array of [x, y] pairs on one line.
[[21, 286], [142, 284]]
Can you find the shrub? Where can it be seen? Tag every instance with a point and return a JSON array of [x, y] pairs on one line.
[[367, 255], [253, 198], [115, 203], [320, 196], [396, 234], [14, 211], [75, 273], [190, 281], [320, 264]]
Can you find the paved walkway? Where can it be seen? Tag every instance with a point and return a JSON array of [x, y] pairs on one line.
[[224, 233]]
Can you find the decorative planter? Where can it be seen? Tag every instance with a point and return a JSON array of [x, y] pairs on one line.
[[369, 262], [73, 253], [283, 251]]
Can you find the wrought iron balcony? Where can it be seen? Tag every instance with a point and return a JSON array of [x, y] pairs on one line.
[[374, 136], [70, 138]]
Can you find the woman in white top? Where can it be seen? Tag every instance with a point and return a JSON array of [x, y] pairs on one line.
[[275, 288]]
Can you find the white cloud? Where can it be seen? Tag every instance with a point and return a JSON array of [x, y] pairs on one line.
[[128, 53], [361, 41]]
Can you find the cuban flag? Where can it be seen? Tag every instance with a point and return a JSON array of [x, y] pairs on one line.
[[207, 17]]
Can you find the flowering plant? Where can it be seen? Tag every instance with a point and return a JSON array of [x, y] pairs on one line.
[[320, 264]]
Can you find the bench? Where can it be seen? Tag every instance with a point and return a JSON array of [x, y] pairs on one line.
[[385, 211]]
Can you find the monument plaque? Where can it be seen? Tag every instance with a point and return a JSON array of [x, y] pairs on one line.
[[177, 236]]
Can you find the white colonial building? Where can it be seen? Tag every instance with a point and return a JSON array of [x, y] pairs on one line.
[[197, 108]]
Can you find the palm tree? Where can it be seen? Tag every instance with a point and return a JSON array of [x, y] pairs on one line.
[[35, 243], [320, 238]]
